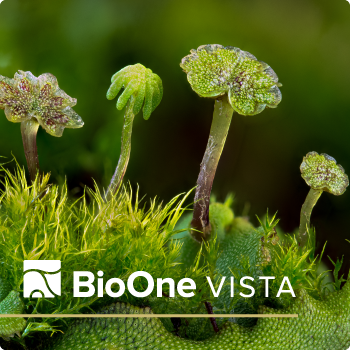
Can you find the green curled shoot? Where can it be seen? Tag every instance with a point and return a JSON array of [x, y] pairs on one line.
[[142, 90]]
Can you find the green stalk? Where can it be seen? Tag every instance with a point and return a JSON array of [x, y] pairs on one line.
[[218, 133], [29, 130], [125, 151], [305, 215]]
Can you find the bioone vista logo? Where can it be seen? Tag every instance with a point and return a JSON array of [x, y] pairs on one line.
[[43, 279], [36, 283]]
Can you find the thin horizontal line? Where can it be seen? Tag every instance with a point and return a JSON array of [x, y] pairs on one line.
[[145, 315]]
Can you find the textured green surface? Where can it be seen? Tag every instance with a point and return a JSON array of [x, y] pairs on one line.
[[241, 255], [321, 172], [320, 326], [38, 221], [27, 96], [124, 238], [215, 70], [11, 304], [140, 83]]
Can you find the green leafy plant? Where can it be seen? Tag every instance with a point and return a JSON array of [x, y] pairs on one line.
[[141, 88], [337, 266], [38, 101], [321, 173], [124, 234], [119, 238], [238, 82]]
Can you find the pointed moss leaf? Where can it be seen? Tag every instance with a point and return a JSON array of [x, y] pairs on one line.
[[5, 288], [337, 266]]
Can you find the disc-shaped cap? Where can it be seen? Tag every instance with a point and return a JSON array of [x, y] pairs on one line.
[[26, 96], [139, 83], [215, 70], [321, 172]]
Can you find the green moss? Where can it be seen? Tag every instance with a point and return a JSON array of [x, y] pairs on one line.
[[122, 236], [320, 325], [11, 304]]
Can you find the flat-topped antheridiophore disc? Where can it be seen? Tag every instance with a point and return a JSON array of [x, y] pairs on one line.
[[321, 172], [215, 70]]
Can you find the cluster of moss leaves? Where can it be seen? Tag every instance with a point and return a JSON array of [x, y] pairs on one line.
[[239, 249], [40, 221], [323, 321]]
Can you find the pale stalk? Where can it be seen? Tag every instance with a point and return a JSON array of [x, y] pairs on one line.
[[29, 130], [219, 129], [124, 153], [305, 215]]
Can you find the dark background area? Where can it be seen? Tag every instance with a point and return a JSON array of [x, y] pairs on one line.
[[84, 42]]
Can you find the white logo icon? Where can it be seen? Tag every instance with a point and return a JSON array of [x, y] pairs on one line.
[[39, 285], [0, 3]]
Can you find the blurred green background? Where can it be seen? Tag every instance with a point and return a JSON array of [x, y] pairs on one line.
[[84, 42]]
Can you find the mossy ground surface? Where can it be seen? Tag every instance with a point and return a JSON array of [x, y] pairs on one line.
[[320, 326], [40, 222]]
